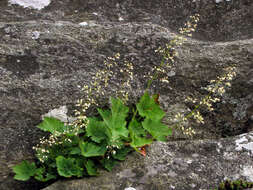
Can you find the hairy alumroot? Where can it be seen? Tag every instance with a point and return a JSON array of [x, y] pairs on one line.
[[113, 66], [101, 80]]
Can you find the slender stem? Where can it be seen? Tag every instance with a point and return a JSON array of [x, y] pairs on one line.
[[154, 77]]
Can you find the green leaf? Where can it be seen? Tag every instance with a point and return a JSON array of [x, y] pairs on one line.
[[68, 167], [138, 135], [158, 130], [41, 175], [116, 119], [148, 108], [52, 125], [24, 170], [106, 115], [108, 163], [122, 153], [73, 132], [75, 150], [90, 149], [91, 168], [97, 130]]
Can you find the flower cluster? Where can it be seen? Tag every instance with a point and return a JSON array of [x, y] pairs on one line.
[[190, 26], [169, 54], [123, 93], [42, 149], [98, 87], [216, 89], [169, 51], [181, 124]]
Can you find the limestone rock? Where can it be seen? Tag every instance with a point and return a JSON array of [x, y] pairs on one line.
[[223, 21], [47, 55], [191, 165]]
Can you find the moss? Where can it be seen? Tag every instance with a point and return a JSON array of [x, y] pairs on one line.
[[234, 185]]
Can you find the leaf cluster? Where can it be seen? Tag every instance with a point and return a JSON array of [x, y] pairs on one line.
[[106, 140]]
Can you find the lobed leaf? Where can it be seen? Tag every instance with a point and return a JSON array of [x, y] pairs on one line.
[[97, 130], [90, 149], [108, 163], [52, 125], [24, 170], [121, 153], [68, 167], [138, 134], [158, 130], [91, 168], [116, 119], [41, 175], [147, 107]]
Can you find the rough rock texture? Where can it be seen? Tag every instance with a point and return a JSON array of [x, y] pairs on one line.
[[177, 165], [45, 56], [227, 20]]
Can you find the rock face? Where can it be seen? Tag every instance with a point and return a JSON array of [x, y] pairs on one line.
[[223, 21], [176, 165], [46, 55]]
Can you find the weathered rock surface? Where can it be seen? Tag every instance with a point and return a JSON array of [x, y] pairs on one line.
[[227, 20], [45, 55], [176, 165]]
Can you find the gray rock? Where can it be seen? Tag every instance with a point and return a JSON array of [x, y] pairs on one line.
[[227, 20], [200, 164], [46, 55]]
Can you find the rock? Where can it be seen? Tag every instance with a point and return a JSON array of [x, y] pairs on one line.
[[35, 4], [200, 164], [46, 56], [223, 21]]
